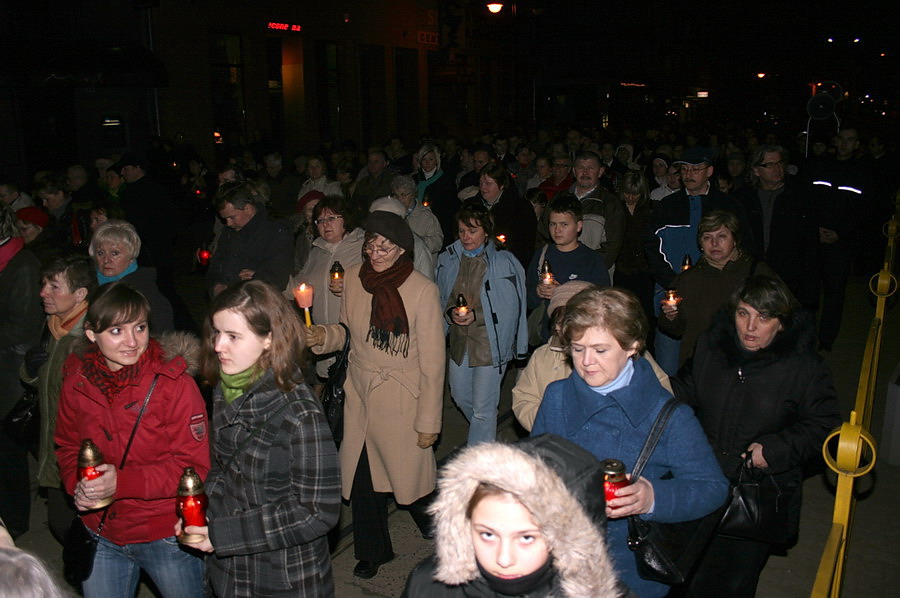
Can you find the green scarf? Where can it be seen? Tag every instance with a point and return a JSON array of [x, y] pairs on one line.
[[234, 385]]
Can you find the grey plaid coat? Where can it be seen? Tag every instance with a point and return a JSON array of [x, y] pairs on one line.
[[273, 500]]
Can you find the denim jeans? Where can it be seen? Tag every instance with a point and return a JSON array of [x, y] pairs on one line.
[[476, 391], [176, 572]]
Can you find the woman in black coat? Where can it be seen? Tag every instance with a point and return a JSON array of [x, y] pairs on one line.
[[760, 391]]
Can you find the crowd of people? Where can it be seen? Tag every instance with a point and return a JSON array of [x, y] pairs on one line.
[[608, 272]]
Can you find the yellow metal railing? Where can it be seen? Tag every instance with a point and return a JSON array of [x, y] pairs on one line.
[[856, 451]]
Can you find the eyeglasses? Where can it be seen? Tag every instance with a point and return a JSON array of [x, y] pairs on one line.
[[379, 251], [772, 164], [693, 169], [327, 219]]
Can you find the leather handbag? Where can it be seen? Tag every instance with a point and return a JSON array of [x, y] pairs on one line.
[[666, 552], [23, 422], [79, 544], [758, 509], [333, 394]]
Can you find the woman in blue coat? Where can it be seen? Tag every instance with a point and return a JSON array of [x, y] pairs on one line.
[[491, 329], [608, 406]]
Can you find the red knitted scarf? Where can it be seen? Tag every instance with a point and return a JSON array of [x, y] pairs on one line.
[[110, 383]]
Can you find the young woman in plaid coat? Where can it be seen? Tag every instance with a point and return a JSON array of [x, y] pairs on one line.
[[274, 488]]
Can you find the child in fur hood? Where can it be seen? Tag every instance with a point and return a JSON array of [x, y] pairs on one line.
[[525, 519]]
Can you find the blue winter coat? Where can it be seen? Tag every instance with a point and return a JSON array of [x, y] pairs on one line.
[[686, 478], [502, 299]]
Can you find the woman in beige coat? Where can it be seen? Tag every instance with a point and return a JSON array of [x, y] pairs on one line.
[[392, 413]]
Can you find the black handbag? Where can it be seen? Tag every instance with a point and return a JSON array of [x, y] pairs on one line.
[[666, 552], [23, 422], [758, 509], [333, 394], [79, 544]]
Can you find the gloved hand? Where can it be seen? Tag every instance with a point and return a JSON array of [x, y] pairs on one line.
[[314, 336], [35, 357], [426, 440]]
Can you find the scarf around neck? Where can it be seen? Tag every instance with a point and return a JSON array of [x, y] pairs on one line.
[[110, 383], [424, 183], [234, 385], [388, 323], [132, 267], [61, 325], [8, 250]]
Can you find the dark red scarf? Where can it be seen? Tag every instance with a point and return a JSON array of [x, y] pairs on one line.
[[111, 383], [388, 324]]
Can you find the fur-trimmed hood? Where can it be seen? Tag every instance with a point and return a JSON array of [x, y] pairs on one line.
[[574, 535], [174, 344]]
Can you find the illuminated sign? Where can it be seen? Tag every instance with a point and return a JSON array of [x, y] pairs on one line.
[[429, 38], [286, 27], [702, 94]]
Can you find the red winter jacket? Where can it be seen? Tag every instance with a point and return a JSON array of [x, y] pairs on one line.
[[172, 435]]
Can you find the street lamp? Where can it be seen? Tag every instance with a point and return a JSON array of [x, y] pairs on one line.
[[495, 7]]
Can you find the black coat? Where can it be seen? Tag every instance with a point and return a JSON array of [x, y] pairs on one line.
[[793, 237], [782, 397]]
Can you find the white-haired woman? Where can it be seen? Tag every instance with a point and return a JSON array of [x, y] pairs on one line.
[[115, 247]]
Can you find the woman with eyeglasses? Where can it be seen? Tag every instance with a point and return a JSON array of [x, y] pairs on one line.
[[490, 330], [338, 239], [395, 386]]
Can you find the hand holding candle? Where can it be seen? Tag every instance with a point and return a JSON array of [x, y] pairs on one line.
[[191, 504], [303, 294], [669, 305]]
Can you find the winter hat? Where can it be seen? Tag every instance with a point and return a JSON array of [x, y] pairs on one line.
[[388, 204], [392, 227], [33, 215], [564, 292]]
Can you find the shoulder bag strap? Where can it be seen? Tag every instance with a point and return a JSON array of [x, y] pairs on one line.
[[662, 418], [128, 446]]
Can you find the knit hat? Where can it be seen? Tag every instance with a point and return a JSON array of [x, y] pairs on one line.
[[308, 197], [392, 227], [388, 204], [564, 292], [33, 215]]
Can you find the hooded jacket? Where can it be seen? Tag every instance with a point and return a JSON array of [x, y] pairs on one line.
[[553, 479], [172, 435]]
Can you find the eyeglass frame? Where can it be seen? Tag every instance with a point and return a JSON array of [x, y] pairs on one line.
[[327, 219], [370, 249], [768, 165], [693, 168]]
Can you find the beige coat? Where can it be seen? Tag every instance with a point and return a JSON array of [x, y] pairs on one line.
[[547, 364], [390, 399]]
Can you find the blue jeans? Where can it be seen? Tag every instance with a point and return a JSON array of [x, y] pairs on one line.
[[476, 391], [117, 569]]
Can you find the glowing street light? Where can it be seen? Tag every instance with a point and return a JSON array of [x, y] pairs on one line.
[[495, 7]]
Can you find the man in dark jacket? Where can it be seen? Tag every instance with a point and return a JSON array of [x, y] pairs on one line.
[[783, 222], [252, 246]]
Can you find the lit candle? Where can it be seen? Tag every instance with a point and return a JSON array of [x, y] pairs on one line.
[[502, 239], [462, 306], [337, 271], [303, 294], [546, 273], [89, 457], [191, 504], [203, 256], [672, 298]]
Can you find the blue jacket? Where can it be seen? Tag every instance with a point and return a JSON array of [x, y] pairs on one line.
[[616, 426], [502, 298]]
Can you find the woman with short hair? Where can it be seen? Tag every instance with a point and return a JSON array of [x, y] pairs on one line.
[[115, 247], [764, 395], [608, 405], [705, 288]]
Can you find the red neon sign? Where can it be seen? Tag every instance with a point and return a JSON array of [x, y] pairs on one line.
[[275, 26]]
